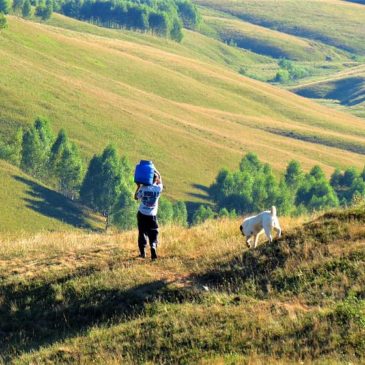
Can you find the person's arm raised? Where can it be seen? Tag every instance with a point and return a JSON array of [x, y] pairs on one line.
[[137, 190]]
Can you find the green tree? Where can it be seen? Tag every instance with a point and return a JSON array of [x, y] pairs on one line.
[[18, 5], [336, 179], [4, 6], [293, 175], [176, 31], [159, 22], [36, 146], [202, 214], [189, 14], [110, 180], [44, 11], [26, 9], [285, 199], [107, 178], [349, 176], [250, 163], [282, 76], [89, 187], [66, 165], [180, 216], [165, 211], [316, 193], [12, 151], [223, 213], [124, 211]]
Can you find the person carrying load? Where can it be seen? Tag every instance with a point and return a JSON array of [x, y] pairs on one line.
[[148, 192]]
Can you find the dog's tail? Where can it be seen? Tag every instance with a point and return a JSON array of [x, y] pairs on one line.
[[273, 211]]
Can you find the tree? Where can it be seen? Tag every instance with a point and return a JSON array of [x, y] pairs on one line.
[[4, 6], [165, 211], [336, 179], [36, 146], [202, 214], [66, 165], [89, 185], [350, 175], [180, 216], [250, 163], [44, 10], [26, 9], [158, 22], [18, 5], [189, 14], [12, 151], [316, 193], [293, 175], [108, 176], [317, 173], [176, 31], [124, 211]]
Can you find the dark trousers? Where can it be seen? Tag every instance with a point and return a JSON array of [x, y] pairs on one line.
[[147, 228]]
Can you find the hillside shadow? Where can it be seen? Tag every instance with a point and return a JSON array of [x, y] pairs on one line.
[[52, 204], [44, 316], [346, 91], [252, 271]]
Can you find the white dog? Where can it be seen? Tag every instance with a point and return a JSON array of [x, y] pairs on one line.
[[253, 227]]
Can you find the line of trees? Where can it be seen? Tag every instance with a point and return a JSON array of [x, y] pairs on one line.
[[43, 8], [107, 186], [162, 17], [165, 18], [254, 187]]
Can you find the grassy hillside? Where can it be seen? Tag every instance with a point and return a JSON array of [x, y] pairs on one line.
[[270, 42], [347, 88], [28, 206], [157, 99], [80, 298], [333, 22]]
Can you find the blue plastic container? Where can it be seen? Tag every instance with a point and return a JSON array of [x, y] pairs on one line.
[[144, 173]]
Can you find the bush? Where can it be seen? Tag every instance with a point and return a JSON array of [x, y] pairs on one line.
[[202, 214], [3, 21]]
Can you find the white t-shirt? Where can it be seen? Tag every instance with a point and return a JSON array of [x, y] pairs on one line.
[[149, 195]]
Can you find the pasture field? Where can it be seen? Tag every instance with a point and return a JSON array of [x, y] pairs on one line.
[[270, 42], [79, 298], [156, 99], [333, 22]]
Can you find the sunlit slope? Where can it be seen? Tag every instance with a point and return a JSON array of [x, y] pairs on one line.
[[270, 42], [86, 298], [28, 206], [333, 22], [189, 115]]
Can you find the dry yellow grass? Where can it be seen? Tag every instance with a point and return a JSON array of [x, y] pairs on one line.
[[76, 298]]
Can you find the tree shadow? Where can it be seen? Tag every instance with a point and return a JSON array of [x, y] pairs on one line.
[[54, 205], [204, 192]]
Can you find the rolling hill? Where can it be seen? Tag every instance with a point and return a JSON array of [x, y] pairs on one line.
[[332, 22], [82, 298], [269, 42], [347, 88], [156, 99]]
